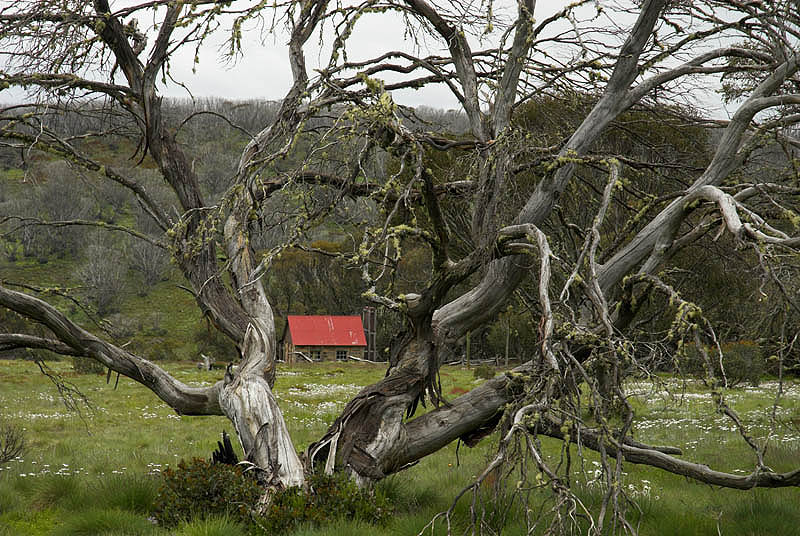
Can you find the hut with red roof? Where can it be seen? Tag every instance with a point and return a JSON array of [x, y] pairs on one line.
[[324, 338]]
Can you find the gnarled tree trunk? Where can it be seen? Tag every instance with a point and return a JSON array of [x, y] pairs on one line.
[[246, 397]]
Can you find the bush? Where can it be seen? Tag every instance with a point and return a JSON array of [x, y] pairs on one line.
[[85, 365], [742, 361], [200, 488], [484, 372], [102, 274], [156, 348], [12, 442], [150, 261], [213, 343], [330, 498], [163, 349]]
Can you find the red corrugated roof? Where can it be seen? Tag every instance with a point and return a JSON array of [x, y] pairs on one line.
[[326, 330]]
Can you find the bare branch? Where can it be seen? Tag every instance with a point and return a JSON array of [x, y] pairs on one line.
[[25, 222], [182, 398], [12, 341]]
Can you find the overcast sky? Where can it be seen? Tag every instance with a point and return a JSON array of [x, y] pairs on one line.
[[263, 70]]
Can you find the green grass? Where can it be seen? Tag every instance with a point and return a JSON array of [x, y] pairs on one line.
[[212, 526], [98, 474], [95, 521], [170, 333]]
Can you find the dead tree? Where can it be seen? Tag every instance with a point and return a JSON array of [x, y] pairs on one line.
[[345, 120]]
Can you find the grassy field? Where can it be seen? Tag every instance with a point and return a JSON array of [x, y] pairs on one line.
[[97, 473]]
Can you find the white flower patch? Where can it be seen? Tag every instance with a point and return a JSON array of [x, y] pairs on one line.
[[666, 424], [328, 406], [150, 413], [317, 390], [695, 396], [46, 397], [154, 469], [314, 422], [791, 390], [54, 415]]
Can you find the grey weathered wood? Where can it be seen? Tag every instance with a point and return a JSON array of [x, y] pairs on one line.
[[247, 398], [182, 398]]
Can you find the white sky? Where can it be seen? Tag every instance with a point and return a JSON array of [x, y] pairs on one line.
[[263, 70]]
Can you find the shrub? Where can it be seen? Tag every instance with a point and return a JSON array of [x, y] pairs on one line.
[[330, 498], [12, 442], [150, 261], [102, 274], [163, 349], [484, 372], [742, 361], [213, 343], [85, 365], [199, 488], [38, 354], [156, 348], [121, 326]]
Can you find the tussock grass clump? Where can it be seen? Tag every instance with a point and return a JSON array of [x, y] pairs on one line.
[[55, 490], [96, 521], [133, 493], [483, 372], [210, 526], [10, 498]]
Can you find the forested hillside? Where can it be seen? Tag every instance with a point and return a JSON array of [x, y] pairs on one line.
[[52, 231]]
